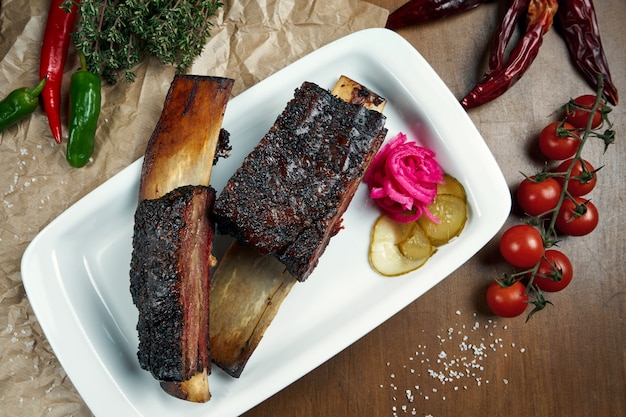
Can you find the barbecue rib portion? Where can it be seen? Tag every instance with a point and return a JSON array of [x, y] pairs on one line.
[[169, 276], [173, 236], [248, 287], [288, 196]]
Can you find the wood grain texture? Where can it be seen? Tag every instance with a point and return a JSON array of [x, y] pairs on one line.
[[445, 354]]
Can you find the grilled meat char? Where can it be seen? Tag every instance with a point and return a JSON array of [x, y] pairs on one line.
[[169, 279], [288, 196]]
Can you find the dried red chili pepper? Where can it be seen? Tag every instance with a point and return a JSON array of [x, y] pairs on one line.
[[54, 48], [414, 12], [540, 16], [504, 32], [579, 26]]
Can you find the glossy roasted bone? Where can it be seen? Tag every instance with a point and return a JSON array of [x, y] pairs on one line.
[[182, 147]]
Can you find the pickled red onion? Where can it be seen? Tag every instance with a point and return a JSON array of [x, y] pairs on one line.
[[403, 179]]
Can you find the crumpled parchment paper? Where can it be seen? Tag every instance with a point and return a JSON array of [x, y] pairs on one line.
[[251, 39]]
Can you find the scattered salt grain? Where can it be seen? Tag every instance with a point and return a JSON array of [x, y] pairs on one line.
[[409, 396], [461, 356]]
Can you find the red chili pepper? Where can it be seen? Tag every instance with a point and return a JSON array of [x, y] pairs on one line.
[[505, 31], [579, 27], [414, 12], [54, 50], [539, 20]]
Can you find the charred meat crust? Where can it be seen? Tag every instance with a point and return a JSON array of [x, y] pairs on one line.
[[169, 281], [223, 148], [288, 196]]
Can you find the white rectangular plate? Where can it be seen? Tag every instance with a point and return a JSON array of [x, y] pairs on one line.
[[76, 270]]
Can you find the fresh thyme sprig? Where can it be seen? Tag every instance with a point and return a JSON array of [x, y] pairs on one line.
[[115, 35]]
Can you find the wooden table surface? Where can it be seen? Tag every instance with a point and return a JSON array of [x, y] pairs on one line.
[[445, 355]]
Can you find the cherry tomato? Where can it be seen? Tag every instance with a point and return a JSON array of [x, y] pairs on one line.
[[557, 271], [578, 112], [577, 219], [506, 301], [521, 246], [539, 197], [586, 178], [557, 141]]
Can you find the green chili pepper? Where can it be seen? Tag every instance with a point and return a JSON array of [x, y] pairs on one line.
[[19, 104], [85, 98]]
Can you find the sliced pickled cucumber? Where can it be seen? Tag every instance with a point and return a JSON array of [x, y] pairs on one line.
[[385, 255], [451, 211], [451, 186], [416, 245], [397, 248]]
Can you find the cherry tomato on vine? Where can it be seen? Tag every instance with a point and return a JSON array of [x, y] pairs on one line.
[[558, 141], [507, 301], [537, 197], [577, 219], [578, 112], [555, 271], [582, 181], [521, 246]]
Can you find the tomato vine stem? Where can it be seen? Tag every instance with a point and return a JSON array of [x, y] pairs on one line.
[[547, 222]]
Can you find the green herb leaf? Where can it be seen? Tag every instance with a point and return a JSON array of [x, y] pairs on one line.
[[115, 35]]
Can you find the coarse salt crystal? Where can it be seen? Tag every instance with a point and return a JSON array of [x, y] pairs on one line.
[[451, 367], [409, 395]]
